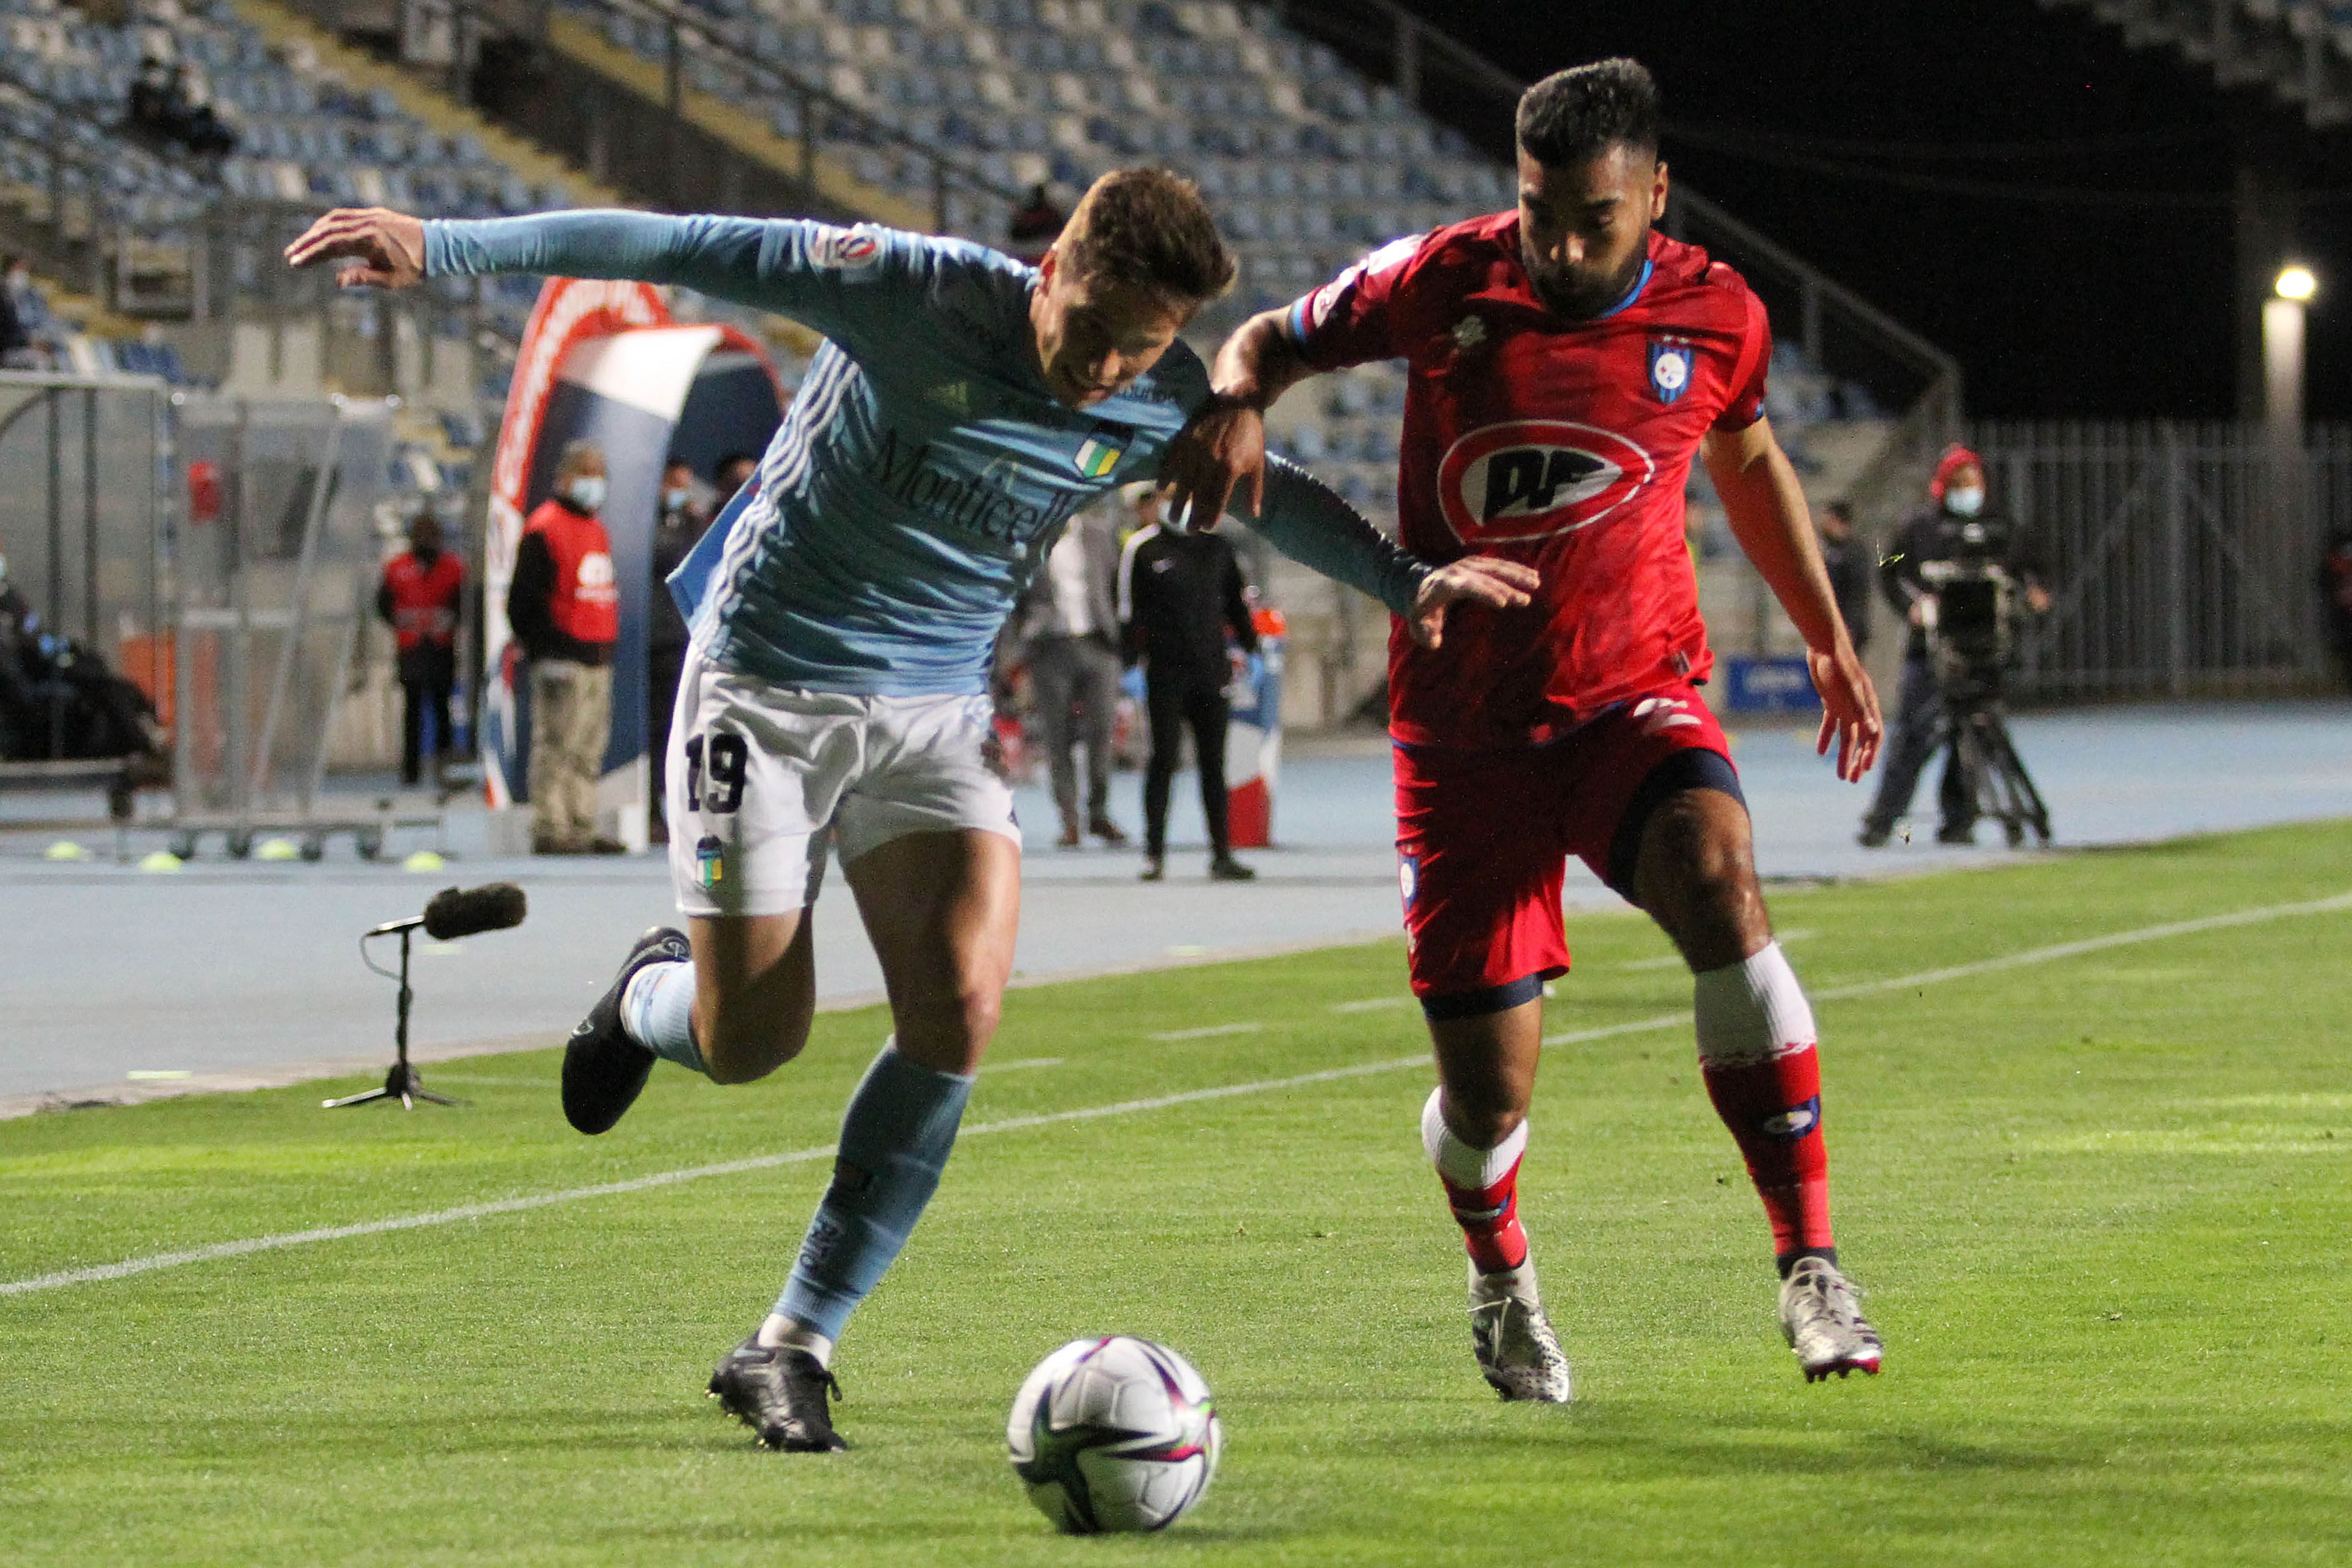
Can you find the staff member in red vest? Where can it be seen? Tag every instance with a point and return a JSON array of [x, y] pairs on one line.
[[419, 597], [565, 608]]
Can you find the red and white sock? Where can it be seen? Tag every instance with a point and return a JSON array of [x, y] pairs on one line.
[[1482, 1187], [1758, 1054]]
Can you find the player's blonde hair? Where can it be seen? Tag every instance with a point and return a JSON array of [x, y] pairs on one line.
[[1149, 229]]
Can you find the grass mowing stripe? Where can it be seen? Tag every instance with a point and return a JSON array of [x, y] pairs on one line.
[[2030, 956]]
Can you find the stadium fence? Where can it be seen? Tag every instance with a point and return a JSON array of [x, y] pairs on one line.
[[2182, 557]]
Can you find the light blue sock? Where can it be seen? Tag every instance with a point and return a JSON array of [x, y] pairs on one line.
[[658, 1012], [895, 1142]]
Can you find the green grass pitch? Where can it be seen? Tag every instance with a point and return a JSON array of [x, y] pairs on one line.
[[2101, 1206]]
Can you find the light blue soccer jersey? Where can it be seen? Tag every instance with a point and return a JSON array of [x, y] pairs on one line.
[[923, 470]]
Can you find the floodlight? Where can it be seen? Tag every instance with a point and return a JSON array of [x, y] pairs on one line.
[[2296, 283]]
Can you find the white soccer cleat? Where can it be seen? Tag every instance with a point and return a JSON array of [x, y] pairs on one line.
[[1516, 1350], [1820, 1312]]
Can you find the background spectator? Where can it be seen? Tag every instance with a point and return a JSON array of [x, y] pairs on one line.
[[2336, 589], [1853, 566], [565, 608], [1035, 227], [1179, 595], [680, 523], [419, 598], [1067, 627]]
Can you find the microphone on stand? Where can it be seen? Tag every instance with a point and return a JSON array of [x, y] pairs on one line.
[[450, 914]]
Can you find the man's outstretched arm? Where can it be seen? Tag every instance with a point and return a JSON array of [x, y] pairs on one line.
[[1306, 521], [1766, 508], [1220, 457], [789, 266]]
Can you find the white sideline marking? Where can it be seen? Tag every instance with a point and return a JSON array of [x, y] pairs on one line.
[[1023, 1065], [220, 1249], [2030, 956], [1369, 1003], [1208, 1031]]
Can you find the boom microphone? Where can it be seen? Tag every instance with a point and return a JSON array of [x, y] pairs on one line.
[[492, 907]]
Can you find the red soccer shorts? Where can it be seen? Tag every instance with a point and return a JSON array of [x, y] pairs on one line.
[[1483, 836]]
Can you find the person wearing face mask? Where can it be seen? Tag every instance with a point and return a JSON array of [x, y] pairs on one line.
[[1955, 523], [564, 605], [419, 598], [675, 531]]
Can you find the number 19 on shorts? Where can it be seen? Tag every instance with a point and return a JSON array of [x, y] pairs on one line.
[[717, 766]]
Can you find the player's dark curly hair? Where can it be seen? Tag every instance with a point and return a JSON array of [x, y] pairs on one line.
[[1149, 228], [1573, 116]]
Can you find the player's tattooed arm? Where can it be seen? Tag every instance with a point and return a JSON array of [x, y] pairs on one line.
[[1766, 507], [1304, 520], [1220, 455]]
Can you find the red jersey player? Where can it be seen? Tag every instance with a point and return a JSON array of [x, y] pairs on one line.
[[1566, 363]]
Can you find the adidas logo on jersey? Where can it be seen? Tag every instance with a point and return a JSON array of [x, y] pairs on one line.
[[1531, 478]]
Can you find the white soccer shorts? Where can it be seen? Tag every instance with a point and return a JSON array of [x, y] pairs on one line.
[[761, 777]]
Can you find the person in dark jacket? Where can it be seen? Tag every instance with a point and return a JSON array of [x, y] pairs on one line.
[[2335, 597], [1852, 567], [1179, 596], [1955, 523], [676, 529], [418, 598], [1066, 629], [564, 605]]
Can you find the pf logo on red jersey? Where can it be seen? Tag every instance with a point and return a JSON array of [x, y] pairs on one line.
[[1531, 478]]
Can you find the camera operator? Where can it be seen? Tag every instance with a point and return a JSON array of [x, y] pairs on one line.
[[1955, 529]]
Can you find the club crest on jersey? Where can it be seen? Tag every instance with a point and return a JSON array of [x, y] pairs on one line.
[[1096, 460], [844, 249], [1670, 370], [1531, 478]]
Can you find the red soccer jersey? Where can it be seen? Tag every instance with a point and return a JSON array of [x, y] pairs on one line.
[[1562, 443]]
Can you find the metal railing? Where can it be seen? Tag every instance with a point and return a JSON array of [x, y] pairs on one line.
[[2182, 558]]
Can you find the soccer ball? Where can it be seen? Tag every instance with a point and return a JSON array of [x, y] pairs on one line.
[[1114, 1434]]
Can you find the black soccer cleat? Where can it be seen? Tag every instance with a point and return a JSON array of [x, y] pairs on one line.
[[603, 1070], [780, 1394]]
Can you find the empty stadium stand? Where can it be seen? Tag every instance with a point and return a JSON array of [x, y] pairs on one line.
[[934, 114], [2299, 49]]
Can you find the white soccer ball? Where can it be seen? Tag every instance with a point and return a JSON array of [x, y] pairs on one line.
[[1114, 1434]]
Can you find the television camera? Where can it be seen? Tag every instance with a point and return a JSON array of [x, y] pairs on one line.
[[1971, 614]]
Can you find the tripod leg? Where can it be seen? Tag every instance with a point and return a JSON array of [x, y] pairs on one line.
[[2031, 811]]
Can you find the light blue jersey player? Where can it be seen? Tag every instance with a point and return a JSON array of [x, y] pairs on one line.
[[845, 610]]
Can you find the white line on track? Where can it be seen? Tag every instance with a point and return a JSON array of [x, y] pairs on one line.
[[1209, 1031], [2030, 956]]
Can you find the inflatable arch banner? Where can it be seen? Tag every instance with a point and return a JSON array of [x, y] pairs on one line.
[[605, 361]]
